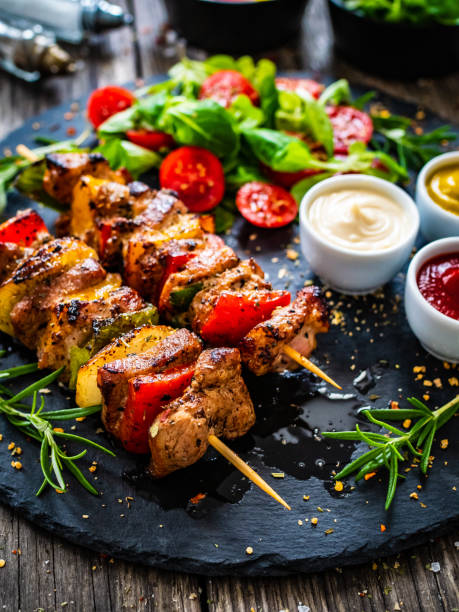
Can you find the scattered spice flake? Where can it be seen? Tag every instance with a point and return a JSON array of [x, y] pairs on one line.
[[453, 381], [292, 254], [300, 522], [92, 468], [80, 419], [44, 391], [382, 527], [197, 498], [418, 369], [249, 550], [2, 562], [1, 437], [426, 397], [337, 317], [314, 520], [319, 509], [17, 465], [17, 451], [282, 272], [369, 475], [407, 423], [414, 495], [444, 443], [328, 531], [339, 486], [306, 497], [437, 382], [394, 405], [71, 131], [85, 516], [277, 474], [11, 445], [58, 429], [422, 505], [427, 383], [374, 567]]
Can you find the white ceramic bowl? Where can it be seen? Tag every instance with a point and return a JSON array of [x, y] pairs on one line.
[[348, 271], [437, 333], [436, 222]]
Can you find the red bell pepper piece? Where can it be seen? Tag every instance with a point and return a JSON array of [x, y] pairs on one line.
[[23, 229], [235, 314], [147, 395], [174, 261], [105, 231]]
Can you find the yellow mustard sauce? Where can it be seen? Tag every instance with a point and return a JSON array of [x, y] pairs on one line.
[[443, 188]]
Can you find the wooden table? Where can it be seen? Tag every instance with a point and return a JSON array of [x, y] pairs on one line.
[[42, 572]]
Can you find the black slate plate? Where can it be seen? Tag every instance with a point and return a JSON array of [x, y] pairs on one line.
[[161, 527]]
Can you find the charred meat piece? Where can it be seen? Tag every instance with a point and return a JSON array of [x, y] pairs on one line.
[[31, 314], [63, 171], [217, 402], [213, 259], [244, 278], [71, 324], [146, 261], [296, 324], [10, 256], [179, 349], [156, 209]]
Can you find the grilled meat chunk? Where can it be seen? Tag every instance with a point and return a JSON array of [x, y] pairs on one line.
[[178, 349], [213, 259], [217, 402], [156, 209], [245, 277], [71, 324], [31, 313], [10, 256], [145, 262], [44, 265], [296, 324], [63, 171]]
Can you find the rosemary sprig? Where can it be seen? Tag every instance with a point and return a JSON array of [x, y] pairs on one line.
[[388, 450], [34, 422]]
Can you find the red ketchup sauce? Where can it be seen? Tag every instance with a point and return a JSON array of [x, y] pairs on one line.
[[438, 281]]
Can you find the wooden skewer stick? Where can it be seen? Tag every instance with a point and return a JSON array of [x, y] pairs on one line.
[[303, 361], [245, 469], [24, 151]]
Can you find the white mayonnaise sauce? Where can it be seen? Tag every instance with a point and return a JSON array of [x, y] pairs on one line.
[[359, 219]]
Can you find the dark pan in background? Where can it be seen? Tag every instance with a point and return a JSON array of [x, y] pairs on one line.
[[400, 50], [236, 27]]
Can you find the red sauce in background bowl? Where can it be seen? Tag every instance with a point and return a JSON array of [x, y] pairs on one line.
[[438, 282]]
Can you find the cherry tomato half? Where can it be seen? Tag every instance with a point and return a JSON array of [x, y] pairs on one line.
[[225, 86], [196, 175], [298, 85], [349, 125], [266, 205], [107, 101], [150, 139]]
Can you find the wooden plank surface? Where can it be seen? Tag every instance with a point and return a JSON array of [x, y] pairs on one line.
[[43, 572]]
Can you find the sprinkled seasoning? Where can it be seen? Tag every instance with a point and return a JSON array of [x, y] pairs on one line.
[[249, 550]]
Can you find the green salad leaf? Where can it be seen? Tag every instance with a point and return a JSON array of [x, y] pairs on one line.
[[336, 93], [412, 11], [202, 123], [9, 168], [412, 150], [124, 154], [278, 150]]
